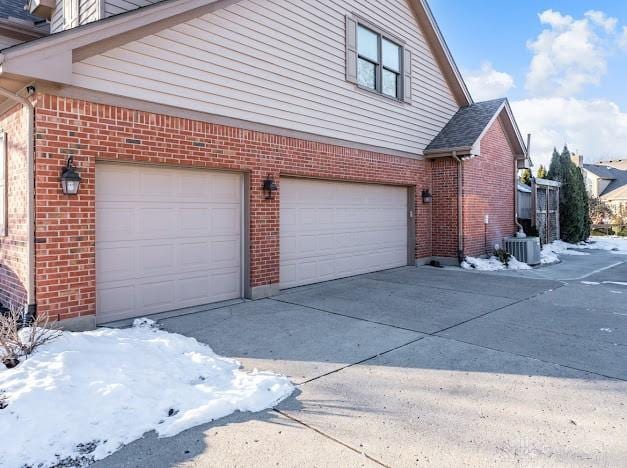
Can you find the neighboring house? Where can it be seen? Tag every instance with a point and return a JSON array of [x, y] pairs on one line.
[[17, 25], [182, 119], [606, 180]]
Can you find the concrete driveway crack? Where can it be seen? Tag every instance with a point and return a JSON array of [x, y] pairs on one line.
[[333, 439]]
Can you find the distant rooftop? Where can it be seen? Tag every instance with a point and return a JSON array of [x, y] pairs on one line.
[[617, 176]]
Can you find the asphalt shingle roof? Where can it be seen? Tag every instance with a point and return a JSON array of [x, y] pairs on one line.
[[618, 183], [605, 172], [15, 9], [618, 176], [466, 125]]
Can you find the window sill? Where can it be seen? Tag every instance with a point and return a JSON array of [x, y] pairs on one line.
[[385, 97]]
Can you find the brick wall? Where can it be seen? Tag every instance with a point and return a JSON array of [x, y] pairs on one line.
[[444, 229], [13, 253], [65, 237], [489, 190]]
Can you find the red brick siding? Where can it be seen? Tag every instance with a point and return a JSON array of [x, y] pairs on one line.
[[489, 190], [65, 253], [444, 229], [13, 253]]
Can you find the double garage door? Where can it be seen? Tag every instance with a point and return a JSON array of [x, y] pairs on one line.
[[173, 238]]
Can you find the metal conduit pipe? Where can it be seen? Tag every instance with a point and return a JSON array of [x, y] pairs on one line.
[[460, 205]]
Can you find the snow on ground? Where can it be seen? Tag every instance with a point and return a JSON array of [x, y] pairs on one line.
[[84, 395], [615, 244], [492, 264], [552, 251]]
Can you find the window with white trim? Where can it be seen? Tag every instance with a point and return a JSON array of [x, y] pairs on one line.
[[377, 61]]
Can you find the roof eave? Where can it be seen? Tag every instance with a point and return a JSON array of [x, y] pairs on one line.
[[437, 153], [26, 59]]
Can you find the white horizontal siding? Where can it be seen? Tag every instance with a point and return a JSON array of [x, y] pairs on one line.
[[281, 63], [57, 21], [115, 7]]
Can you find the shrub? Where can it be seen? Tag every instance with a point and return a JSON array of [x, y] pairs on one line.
[[503, 255], [19, 339]]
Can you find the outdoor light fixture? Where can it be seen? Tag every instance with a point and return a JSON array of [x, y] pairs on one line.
[[426, 196], [70, 180], [268, 187]]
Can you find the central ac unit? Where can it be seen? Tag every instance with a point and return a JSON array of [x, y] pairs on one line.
[[525, 249]]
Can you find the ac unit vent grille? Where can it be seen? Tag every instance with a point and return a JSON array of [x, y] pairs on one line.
[[525, 249]]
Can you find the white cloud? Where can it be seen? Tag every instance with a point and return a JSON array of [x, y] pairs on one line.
[[487, 83], [555, 19], [569, 54], [595, 128], [601, 19]]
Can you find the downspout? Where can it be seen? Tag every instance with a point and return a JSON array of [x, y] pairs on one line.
[[460, 205], [521, 230], [31, 304]]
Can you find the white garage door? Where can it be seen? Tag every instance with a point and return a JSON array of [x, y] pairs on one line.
[[333, 229], [165, 239]]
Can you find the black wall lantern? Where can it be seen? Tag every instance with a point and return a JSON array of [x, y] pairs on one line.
[[426, 196], [269, 187], [70, 180]]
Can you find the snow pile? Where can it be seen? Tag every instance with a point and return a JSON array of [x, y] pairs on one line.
[[492, 264], [551, 252], [81, 397]]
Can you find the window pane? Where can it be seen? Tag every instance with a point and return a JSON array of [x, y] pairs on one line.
[[368, 44], [366, 73], [391, 55], [390, 80]]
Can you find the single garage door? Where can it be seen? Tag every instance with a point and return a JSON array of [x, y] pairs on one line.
[[334, 229], [165, 239]]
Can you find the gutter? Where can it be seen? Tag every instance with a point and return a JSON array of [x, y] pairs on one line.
[[460, 207], [31, 304]]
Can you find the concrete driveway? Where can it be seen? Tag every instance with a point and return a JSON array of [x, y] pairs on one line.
[[423, 366]]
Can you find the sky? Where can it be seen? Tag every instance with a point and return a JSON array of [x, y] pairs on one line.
[[561, 63]]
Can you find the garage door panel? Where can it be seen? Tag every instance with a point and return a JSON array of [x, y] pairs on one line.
[[116, 222], [157, 295], [333, 229], [116, 263], [195, 221], [226, 220], [161, 249], [116, 300]]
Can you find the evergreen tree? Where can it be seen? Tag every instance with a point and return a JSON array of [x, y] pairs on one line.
[[556, 168], [525, 177], [574, 216], [541, 174]]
